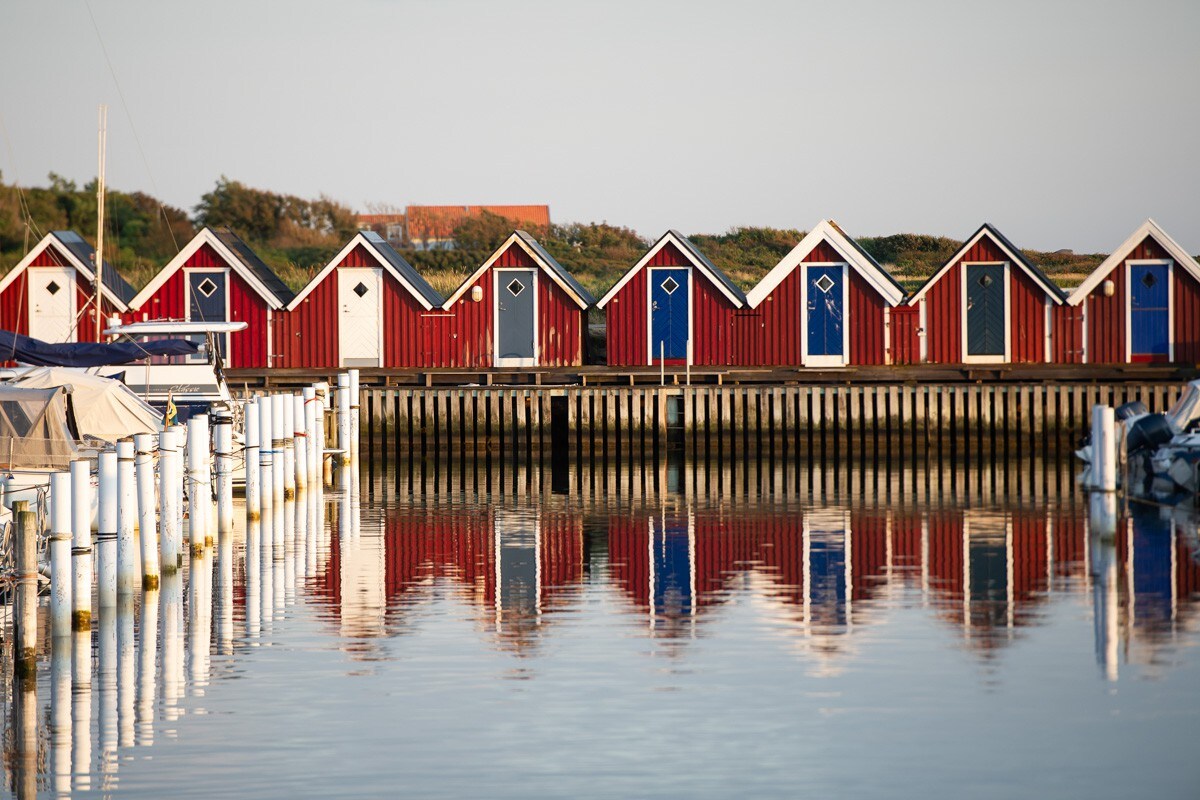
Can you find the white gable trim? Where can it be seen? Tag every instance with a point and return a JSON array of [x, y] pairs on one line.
[[541, 263], [670, 237], [71, 259], [824, 231], [1148, 228], [341, 256], [202, 238], [1015, 258]]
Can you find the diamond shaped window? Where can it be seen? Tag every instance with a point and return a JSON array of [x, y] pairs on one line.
[[985, 281], [669, 285], [52, 288], [824, 283], [360, 289], [1148, 280], [207, 287], [515, 287]]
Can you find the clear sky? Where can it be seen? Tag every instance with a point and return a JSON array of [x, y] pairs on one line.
[[1065, 124]]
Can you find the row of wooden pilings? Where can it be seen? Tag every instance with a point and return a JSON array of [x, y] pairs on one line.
[[816, 421]]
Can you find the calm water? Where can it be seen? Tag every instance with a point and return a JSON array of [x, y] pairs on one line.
[[729, 630]]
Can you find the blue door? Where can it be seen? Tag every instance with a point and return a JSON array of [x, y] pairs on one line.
[[669, 298], [826, 311], [985, 310], [1149, 320], [671, 568], [207, 293]]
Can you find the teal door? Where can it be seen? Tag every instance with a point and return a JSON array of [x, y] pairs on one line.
[[985, 310]]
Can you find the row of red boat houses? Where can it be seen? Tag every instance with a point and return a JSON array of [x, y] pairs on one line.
[[827, 303]]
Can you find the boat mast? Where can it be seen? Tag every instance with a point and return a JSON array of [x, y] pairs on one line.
[[100, 221]]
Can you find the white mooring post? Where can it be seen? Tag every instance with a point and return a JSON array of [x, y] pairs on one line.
[[170, 553], [253, 467], [300, 440], [354, 422], [81, 550], [223, 450], [205, 500], [25, 620], [277, 442], [147, 508], [313, 445], [266, 455], [180, 440], [127, 518], [344, 429], [197, 449], [60, 554], [289, 447], [323, 407], [1104, 449], [106, 531]]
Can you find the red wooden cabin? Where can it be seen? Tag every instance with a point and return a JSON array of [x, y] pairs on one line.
[[1142, 304], [987, 305], [367, 308], [827, 303], [217, 277], [51, 293], [521, 308], [673, 305]]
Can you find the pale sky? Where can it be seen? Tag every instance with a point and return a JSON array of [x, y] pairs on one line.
[[1065, 124]]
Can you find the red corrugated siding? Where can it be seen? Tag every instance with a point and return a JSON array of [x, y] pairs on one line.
[[14, 301], [1187, 317], [713, 337], [1106, 315], [906, 344], [465, 339], [1067, 334], [1027, 310], [308, 335], [14, 305]]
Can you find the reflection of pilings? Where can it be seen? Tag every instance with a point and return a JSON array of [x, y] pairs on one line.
[[253, 577], [147, 669], [289, 551], [81, 709], [126, 670], [266, 559], [60, 714], [172, 644], [278, 550], [1102, 529], [25, 712], [199, 629], [106, 678], [223, 595]]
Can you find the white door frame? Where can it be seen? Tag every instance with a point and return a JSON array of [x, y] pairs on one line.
[[650, 354], [68, 276], [1148, 262], [997, 359], [537, 349], [350, 272], [825, 361]]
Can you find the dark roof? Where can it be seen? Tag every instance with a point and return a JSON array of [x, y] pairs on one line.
[[710, 266], [251, 261], [86, 253], [414, 279], [882, 271], [1041, 276], [583, 294]]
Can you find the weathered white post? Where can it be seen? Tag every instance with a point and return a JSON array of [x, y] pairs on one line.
[[27, 587], [180, 433], [147, 507], [60, 554], [1104, 449], [171, 549], [354, 427], [266, 454], [289, 447], [300, 438], [197, 449], [106, 531], [344, 427], [277, 441], [223, 448], [253, 465], [127, 518], [81, 550], [313, 445]]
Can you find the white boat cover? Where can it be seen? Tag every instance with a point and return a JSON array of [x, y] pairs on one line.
[[34, 433], [104, 408]]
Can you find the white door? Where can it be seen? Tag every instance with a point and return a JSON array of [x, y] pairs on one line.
[[360, 331], [52, 303]]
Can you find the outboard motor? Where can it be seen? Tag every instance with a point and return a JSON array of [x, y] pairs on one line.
[[1133, 409], [1148, 432]]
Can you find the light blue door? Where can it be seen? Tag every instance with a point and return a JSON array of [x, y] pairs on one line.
[[1149, 317], [515, 319], [669, 299], [826, 311]]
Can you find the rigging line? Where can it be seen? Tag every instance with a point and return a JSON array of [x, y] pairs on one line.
[[129, 116], [21, 199]]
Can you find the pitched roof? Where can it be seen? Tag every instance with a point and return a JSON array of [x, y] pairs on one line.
[[79, 254], [1148, 228], [237, 254], [693, 254], [986, 229], [389, 259], [566, 281], [439, 222], [828, 231]]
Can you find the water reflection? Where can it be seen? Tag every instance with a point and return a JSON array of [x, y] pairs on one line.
[[667, 554]]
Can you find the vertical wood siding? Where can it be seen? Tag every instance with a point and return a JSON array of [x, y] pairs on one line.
[[1106, 316], [14, 301]]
